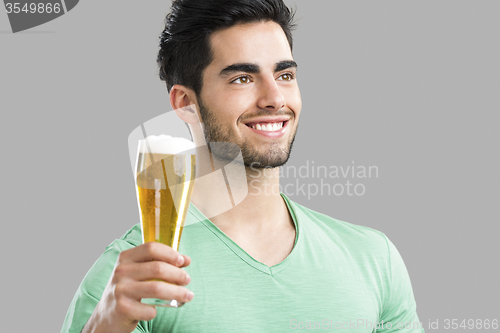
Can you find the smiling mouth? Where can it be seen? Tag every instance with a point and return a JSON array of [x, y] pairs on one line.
[[268, 126]]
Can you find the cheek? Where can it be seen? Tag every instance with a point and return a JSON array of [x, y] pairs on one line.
[[294, 101], [230, 106]]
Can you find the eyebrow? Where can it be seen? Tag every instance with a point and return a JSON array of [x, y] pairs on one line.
[[255, 69], [285, 65]]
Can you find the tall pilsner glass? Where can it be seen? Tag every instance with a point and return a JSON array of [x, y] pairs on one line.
[[165, 179]]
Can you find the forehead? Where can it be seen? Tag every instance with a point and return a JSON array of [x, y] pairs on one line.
[[262, 43]]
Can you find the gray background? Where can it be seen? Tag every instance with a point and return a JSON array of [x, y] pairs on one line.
[[411, 87]]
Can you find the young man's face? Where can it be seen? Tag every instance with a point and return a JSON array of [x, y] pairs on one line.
[[251, 83]]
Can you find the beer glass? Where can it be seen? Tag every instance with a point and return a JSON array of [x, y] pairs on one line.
[[165, 179]]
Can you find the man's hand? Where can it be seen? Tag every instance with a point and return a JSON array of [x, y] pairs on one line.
[[120, 307]]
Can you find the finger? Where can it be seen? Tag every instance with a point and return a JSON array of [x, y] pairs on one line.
[[159, 289], [135, 310], [144, 271], [187, 261], [152, 251]]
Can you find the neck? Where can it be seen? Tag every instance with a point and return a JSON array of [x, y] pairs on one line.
[[238, 197]]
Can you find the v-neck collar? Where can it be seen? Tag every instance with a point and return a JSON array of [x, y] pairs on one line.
[[242, 254]]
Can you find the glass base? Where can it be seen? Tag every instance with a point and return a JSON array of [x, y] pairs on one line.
[[161, 302]]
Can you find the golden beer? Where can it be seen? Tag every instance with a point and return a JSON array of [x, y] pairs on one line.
[[164, 189], [165, 178]]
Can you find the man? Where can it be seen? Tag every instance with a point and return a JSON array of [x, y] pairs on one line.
[[268, 264]]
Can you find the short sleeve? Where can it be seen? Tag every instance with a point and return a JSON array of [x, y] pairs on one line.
[[399, 308], [92, 287]]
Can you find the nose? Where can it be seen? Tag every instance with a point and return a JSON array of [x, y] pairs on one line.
[[270, 97]]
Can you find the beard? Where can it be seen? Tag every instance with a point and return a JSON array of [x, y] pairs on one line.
[[224, 148]]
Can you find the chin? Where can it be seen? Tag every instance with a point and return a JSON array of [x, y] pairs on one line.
[[265, 160]]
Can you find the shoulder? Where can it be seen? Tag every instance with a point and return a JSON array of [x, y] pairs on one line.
[[100, 270], [131, 238], [349, 235]]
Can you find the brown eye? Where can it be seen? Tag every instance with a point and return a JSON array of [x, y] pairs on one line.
[[242, 80], [286, 77]]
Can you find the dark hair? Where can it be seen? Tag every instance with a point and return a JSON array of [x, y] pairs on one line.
[[185, 42]]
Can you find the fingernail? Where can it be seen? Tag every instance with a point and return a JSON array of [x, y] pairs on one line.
[[180, 261], [190, 295], [188, 278]]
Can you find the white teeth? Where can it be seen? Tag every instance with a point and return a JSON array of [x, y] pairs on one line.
[[269, 127]]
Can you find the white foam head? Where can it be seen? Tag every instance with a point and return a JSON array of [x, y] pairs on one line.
[[164, 144]]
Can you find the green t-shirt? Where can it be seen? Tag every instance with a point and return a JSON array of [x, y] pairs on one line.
[[339, 276]]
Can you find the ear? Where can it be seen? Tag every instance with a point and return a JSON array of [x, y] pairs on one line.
[[184, 102]]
